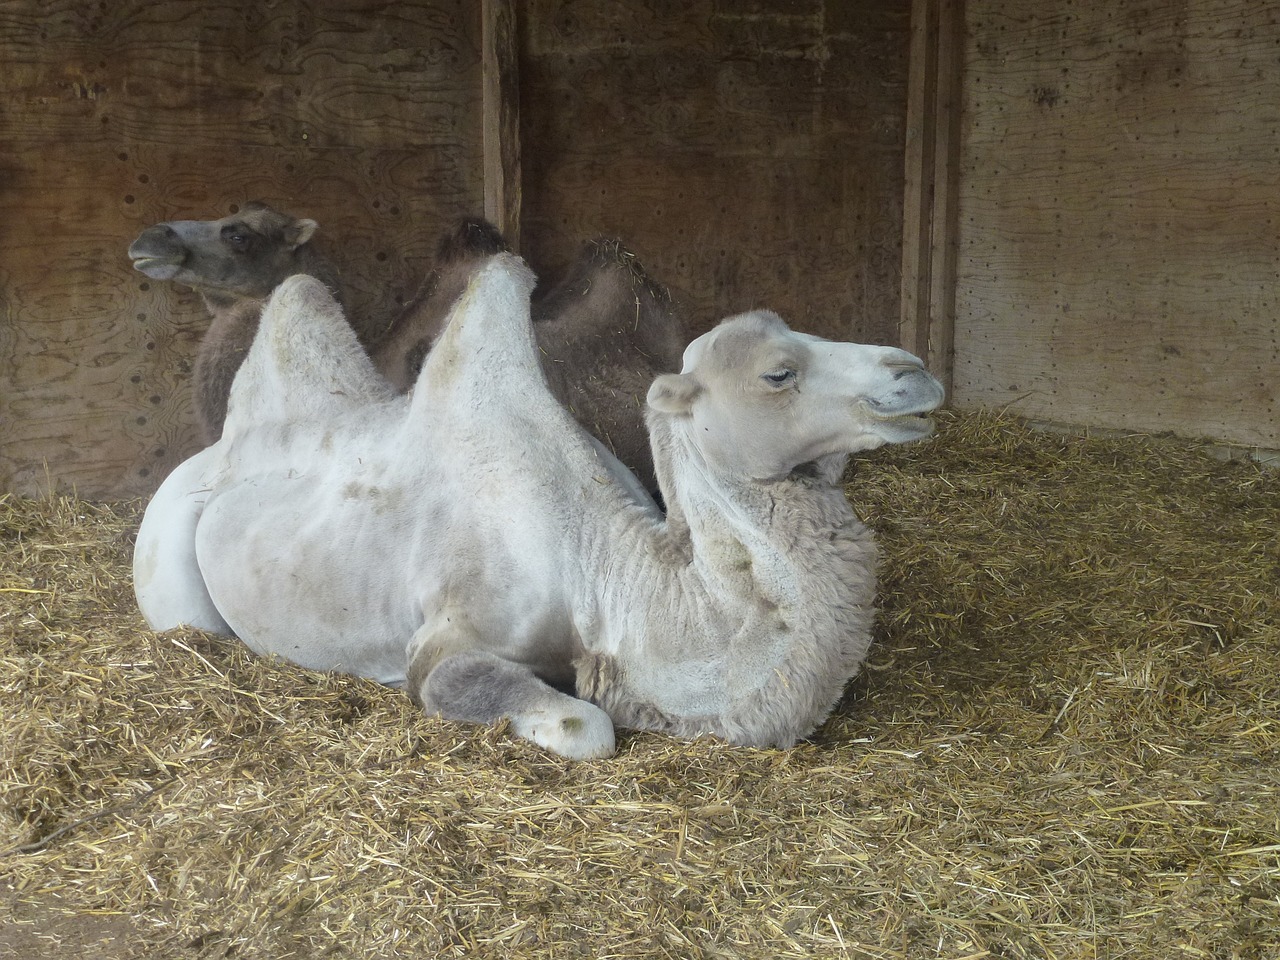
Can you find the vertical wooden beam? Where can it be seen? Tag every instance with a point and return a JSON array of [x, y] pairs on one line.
[[500, 100], [931, 210], [913, 329], [946, 190]]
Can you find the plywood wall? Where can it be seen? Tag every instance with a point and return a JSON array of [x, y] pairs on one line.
[[1119, 222], [751, 153], [363, 115]]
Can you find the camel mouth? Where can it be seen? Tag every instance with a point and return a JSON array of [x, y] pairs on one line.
[[912, 409], [158, 268], [919, 423], [903, 425]]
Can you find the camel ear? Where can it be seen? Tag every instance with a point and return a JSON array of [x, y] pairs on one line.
[[302, 231], [674, 393]]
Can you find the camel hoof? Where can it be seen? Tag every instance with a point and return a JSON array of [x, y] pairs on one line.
[[584, 734]]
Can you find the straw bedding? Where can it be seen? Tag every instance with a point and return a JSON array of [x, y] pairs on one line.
[[1067, 744]]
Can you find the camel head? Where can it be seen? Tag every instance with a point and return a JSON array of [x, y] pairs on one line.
[[760, 399], [244, 255]]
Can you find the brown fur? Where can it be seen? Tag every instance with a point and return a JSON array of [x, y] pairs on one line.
[[223, 349], [605, 332], [400, 353]]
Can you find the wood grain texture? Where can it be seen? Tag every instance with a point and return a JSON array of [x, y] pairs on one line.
[[362, 115], [751, 154], [1120, 192], [931, 205], [918, 152], [501, 99]]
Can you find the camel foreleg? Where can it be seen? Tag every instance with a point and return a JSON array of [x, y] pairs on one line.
[[452, 676]]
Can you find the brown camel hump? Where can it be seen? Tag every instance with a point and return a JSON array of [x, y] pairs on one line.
[[410, 336], [608, 293], [471, 237], [606, 330]]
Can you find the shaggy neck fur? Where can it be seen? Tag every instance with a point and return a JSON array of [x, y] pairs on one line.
[[782, 570]]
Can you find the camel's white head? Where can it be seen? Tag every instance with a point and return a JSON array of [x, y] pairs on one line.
[[762, 399]]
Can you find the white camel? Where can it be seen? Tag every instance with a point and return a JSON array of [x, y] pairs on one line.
[[474, 544]]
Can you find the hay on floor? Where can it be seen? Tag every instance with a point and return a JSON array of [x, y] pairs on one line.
[[1067, 744]]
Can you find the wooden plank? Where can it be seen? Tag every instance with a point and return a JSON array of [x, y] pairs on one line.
[[946, 175], [117, 116], [1118, 261], [913, 328], [753, 157], [501, 106], [930, 205]]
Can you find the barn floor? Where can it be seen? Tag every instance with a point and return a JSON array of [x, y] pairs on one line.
[[1067, 744]]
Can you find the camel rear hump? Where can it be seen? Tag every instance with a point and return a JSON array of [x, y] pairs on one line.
[[487, 349]]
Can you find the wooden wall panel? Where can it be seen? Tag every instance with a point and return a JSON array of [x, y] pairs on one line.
[[1120, 195], [501, 122], [363, 115], [930, 202], [750, 153]]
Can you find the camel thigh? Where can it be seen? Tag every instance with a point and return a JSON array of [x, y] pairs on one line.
[[479, 687]]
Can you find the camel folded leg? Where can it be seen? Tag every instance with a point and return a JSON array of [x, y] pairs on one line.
[[449, 675]]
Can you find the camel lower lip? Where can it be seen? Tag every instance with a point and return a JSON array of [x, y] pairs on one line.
[[157, 268], [913, 422]]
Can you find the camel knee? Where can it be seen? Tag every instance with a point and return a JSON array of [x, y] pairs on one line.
[[432, 644]]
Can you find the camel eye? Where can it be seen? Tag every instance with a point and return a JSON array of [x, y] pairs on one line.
[[236, 239], [779, 377]]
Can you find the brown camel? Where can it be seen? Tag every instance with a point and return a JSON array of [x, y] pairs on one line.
[[234, 264], [605, 331]]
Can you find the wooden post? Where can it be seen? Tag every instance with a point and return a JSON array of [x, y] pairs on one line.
[[501, 117], [930, 204]]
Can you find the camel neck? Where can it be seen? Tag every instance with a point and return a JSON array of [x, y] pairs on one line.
[[706, 507], [222, 303], [757, 609], [728, 545]]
